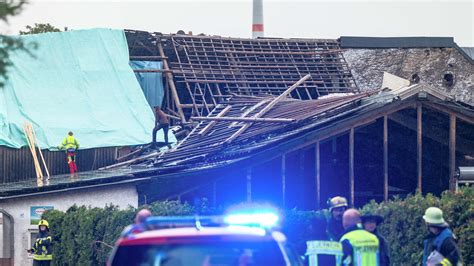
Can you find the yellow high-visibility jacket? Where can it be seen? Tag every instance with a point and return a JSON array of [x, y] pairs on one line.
[[69, 142], [360, 248]]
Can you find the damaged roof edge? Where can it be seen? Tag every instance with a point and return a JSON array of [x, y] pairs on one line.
[[18, 194], [401, 42], [396, 42], [464, 53]]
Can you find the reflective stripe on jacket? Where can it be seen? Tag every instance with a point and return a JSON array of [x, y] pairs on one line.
[[322, 252], [70, 142], [42, 249], [364, 246]]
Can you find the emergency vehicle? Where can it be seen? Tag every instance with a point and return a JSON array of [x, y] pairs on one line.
[[237, 239]]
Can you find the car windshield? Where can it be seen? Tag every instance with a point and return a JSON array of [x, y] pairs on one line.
[[239, 253]]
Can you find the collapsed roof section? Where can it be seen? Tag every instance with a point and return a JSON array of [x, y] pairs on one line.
[[217, 137], [211, 143], [290, 125], [205, 70]]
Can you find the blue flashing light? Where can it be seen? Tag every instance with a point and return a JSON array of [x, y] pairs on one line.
[[260, 219], [182, 221]]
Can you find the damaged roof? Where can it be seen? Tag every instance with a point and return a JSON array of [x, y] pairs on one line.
[[207, 68], [306, 119], [216, 145], [234, 79], [291, 124]]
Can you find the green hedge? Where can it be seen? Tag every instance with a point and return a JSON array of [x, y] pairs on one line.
[[405, 229], [77, 230]]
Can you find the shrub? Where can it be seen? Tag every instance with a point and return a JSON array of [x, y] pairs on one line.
[[301, 226], [79, 232], [405, 229]]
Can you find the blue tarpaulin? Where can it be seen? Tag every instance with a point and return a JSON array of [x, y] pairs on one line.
[[78, 81], [151, 82]]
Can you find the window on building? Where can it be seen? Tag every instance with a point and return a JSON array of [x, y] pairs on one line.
[[415, 78], [33, 233], [448, 80]]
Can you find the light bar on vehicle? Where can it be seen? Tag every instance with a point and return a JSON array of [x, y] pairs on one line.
[[260, 219], [181, 221], [264, 219]]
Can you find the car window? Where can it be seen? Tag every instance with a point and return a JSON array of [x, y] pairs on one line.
[[292, 255], [238, 253]]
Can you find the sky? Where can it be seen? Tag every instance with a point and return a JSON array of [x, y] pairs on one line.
[[282, 18]]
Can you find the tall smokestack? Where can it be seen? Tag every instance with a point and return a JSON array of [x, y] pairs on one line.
[[257, 26]]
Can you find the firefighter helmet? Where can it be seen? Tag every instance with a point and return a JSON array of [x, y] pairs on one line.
[[43, 222], [434, 216], [337, 202]]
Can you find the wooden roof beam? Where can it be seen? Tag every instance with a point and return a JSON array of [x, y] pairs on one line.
[[209, 126], [243, 119], [268, 107]]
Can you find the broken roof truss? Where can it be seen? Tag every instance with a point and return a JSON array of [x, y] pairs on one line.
[[204, 70]]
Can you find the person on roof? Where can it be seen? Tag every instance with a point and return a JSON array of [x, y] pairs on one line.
[[359, 247], [71, 145], [42, 248], [161, 122], [370, 223], [337, 207], [440, 246], [138, 226]]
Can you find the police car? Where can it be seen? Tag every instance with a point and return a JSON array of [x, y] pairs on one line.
[[238, 239]]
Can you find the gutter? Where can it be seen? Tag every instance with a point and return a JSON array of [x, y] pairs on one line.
[[136, 180]]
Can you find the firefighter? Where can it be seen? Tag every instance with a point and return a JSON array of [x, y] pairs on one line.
[[323, 247], [370, 223], [70, 144], [359, 247], [334, 229], [440, 246], [139, 225], [42, 248]]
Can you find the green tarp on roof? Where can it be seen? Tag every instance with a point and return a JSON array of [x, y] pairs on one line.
[[77, 81]]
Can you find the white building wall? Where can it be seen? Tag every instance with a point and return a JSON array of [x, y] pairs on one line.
[[122, 196]]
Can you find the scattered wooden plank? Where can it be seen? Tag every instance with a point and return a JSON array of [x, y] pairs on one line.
[[32, 143], [126, 156], [39, 149], [268, 107], [151, 155], [29, 139], [243, 119], [209, 126]]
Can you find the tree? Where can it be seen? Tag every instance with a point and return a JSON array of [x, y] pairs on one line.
[[39, 28], [8, 44]]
